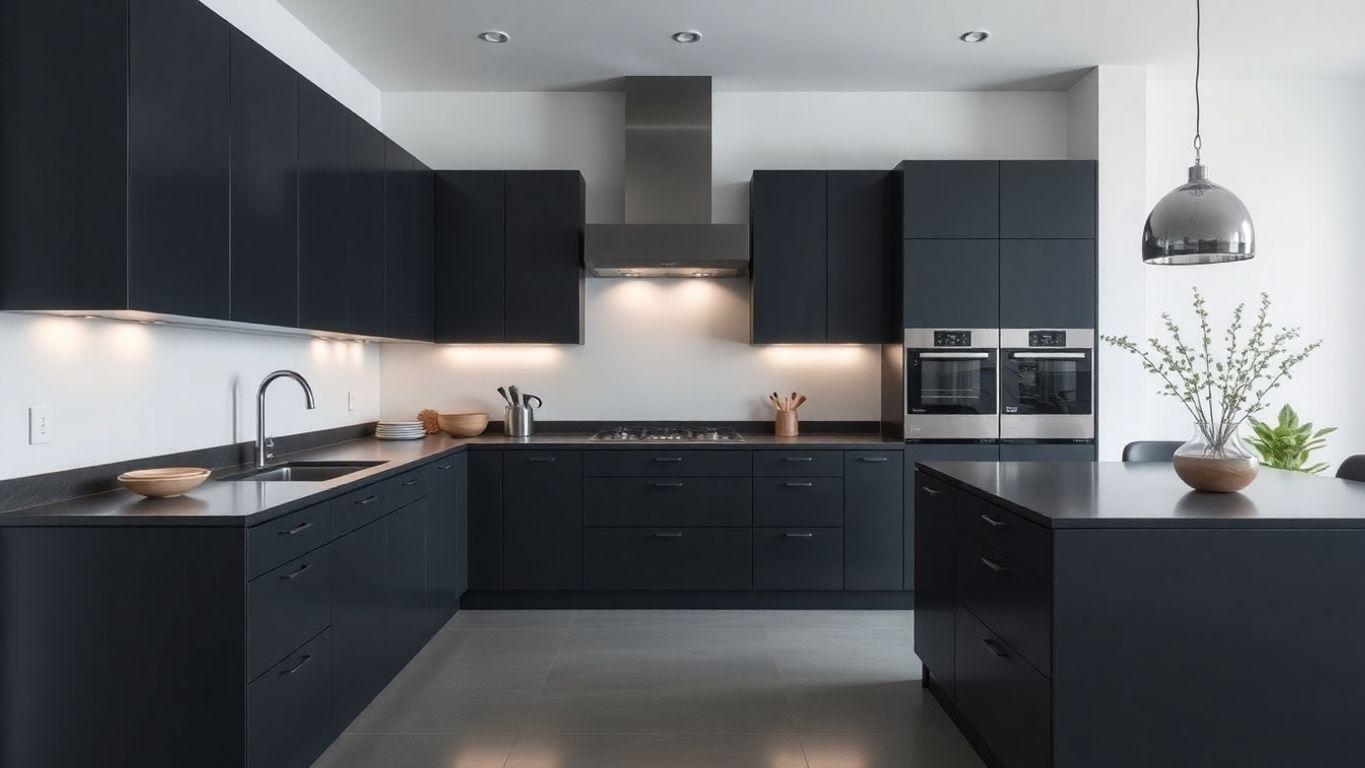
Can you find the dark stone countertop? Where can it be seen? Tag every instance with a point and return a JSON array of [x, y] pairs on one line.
[[248, 503], [1118, 495]]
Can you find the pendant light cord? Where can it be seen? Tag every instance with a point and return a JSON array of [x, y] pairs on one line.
[[1198, 56]]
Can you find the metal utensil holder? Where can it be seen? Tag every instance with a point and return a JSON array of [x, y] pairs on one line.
[[518, 421]]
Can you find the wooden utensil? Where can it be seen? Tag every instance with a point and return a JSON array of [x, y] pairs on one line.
[[798, 402]]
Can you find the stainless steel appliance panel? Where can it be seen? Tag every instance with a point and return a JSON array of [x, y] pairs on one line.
[[1047, 382], [950, 384]]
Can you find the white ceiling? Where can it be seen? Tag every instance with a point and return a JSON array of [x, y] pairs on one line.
[[820, 45]]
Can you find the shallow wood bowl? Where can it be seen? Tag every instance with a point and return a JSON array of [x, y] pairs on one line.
[[165, 483], [463, 424]]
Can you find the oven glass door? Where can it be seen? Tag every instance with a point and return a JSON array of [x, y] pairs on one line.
[[1047, 383], [950, 383]]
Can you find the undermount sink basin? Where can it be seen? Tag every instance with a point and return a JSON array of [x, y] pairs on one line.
[[303, 471]]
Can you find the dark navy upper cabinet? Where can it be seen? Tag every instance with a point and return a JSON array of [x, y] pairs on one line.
[[515, 238], [365, 273], [264, 206], [950, 198], [860, 250], [400, 242], [952, 283], [177, 159], [1047, 284], [787, 236], [1047, 199], [323, 133], [424, 289]]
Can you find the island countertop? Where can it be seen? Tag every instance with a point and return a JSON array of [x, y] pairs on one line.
[[1150, 495]]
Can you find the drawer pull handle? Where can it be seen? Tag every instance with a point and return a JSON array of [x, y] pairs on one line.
[[995, 648], [412, 482], [542, 459], [296, 574], [668, 459], [366, 500], [992, 522], [931, 491], [872, 458], [668, 485], [444, 467], [994, 566], [798, 458], [800, 485], [801, 535], [306, 658], [300, 528], [668, 534]]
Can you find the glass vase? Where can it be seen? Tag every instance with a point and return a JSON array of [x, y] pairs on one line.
[[1215, 468]]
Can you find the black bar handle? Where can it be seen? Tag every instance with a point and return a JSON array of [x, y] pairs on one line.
[[668, 534], [994, 566], [800, 485], [542, 459], [992, 522], [296, 574], [668, 459], [872, 458], [931, 491], [668, 485], [801, 535], [995, 648], [798, 458], [306, 658], [412, 482], [366, 500], [300, 528]]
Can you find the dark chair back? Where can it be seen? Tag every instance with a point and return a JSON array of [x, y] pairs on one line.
[[1353, 468], [1151, 450]]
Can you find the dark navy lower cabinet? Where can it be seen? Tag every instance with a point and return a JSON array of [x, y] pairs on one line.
[[408, 624], [873, 519], [542, 513], [359, 606], [1047, 452], [933, 578], [288, 716], [932, 452], [798, 558], [667, 559]]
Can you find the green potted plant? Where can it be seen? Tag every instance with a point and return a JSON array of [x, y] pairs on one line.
[[1288, 443], [1221, 386]]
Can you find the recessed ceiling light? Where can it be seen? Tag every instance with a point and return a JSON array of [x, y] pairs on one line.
[[687, 36], [975, 36], [494, 36]]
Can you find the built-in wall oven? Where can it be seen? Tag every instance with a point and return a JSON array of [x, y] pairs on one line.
[[950, 378], [1047, 380]]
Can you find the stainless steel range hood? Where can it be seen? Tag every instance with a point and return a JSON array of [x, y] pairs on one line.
[[667, 230]]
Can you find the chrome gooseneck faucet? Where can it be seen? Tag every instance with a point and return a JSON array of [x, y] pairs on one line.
[[263, 444]]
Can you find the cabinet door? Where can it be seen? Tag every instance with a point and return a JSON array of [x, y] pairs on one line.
[[323, 133], [934, 603], [461, 526], [860, 246], [1047, 198], [787, 236], [952, 283], [542, 532], [1047, 284], [1047, 452], [873, 514], [442, 539], [365, 229], [932, 452], [408, 623], [485, 520], [265, 195], [178, 159], [400, 242], [424, 286], [470, 217], [544, 248], [359, 606], [950, 199]]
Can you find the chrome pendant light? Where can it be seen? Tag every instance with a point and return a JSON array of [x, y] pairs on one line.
[[1198, 222]]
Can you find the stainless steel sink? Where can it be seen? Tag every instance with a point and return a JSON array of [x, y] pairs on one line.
[[303, 471]]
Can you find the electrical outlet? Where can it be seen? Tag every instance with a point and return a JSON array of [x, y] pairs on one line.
[[350, 401], [39, 425]]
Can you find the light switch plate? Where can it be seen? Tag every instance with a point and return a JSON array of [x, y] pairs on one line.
[[39, 425], [350, 401]]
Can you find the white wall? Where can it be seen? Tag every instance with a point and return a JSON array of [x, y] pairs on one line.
[[123, 390], [1292, 151], [678, 349]]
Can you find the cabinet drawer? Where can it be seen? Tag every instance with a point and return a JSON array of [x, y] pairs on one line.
[[288, 713], [281, 540], [666, 463], [798, 558], [682, 501], [1006, 534], [815, 501], [357, 509], [799, 463], [1007, 701], [666, 558], [285, 607], [404, 489], [1015, 604]]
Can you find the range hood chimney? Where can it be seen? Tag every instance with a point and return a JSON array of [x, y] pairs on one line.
[[668, 230]]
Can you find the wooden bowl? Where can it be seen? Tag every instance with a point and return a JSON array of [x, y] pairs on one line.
[[463, 424], [165, 483]]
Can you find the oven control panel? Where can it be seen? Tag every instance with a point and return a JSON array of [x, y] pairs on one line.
[[1047, 338], [952, 338]]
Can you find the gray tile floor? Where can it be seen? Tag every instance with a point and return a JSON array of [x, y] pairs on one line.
[[659, 689]]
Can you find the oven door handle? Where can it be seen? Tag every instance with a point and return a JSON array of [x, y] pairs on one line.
[[1049, 355], [954, 355]]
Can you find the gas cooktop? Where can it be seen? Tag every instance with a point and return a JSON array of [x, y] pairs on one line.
[[628, 434]]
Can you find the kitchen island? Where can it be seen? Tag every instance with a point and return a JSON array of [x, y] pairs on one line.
[[1080, 615]]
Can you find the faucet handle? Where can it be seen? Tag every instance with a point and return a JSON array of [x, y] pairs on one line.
[[269, 446]]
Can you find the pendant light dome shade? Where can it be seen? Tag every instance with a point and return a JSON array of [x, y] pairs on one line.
[[1198, 222]]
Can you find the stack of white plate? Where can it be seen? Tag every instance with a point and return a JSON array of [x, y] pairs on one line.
[[399, 430]]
